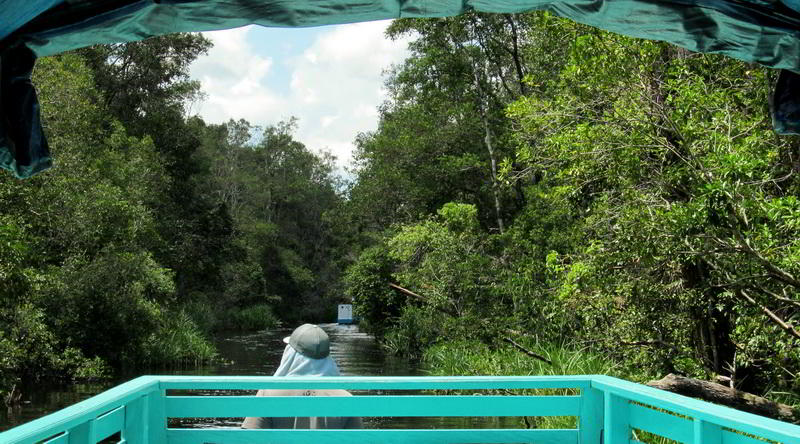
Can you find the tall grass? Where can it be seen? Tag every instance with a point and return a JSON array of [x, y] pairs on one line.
[[472, 358], [784, 397], [475, 358], [178, 341], [252, 318]]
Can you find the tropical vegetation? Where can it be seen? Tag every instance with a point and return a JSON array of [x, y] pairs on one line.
[[611, 204], [552, 185]]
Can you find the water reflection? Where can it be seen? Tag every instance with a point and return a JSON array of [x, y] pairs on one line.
[[358, 354]]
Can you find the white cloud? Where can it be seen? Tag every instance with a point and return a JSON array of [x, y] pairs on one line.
[[334, 85], [234, 79], [328, 120]]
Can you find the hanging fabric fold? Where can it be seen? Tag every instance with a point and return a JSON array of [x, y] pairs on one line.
[[786, 103], [23, 146], [759, 31]]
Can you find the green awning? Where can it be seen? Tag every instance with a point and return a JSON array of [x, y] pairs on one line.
[[764, 32]]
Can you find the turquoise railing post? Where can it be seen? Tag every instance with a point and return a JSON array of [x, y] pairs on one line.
[[136, 417], [616, 428], [82, 434], [706, 432], [590, 421], [157, 418]]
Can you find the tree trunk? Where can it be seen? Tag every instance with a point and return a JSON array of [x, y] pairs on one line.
[[719, 394], [515, 54], [713, 344], [495, 184], [488, 140]]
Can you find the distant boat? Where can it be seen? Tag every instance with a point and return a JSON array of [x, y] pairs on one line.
[[345, 314]]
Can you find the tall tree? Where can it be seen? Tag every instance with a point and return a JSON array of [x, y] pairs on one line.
[[146, 86], [278, 193]]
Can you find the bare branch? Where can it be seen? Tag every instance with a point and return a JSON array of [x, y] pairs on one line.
[[447, 310], [527, 352], [788, 328]]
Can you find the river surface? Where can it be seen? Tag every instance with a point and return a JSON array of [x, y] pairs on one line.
[[255, 354]]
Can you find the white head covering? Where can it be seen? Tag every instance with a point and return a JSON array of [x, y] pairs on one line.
[[297, 364]]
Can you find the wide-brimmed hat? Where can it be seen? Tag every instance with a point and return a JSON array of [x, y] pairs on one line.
[[310, 340]]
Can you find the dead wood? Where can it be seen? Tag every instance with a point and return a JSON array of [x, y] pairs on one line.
[[528, 352], [720, 394], [446, 310]]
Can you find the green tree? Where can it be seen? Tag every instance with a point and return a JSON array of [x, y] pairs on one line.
[[278, 193], [649, 211]]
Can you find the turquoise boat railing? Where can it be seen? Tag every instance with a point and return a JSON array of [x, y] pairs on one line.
[[601, 409]]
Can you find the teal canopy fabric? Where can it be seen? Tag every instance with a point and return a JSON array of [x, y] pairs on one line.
[[761, 31], [18, 12]]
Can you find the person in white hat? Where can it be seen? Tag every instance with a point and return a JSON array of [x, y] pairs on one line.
[[307, 353]]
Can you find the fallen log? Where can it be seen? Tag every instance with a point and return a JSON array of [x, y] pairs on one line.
[[720, 394]]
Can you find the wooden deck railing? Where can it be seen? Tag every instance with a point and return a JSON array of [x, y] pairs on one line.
[[603, 410]]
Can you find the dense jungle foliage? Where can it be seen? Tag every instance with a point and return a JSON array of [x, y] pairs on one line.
[[582, 194], [618, 205], [154, 229]]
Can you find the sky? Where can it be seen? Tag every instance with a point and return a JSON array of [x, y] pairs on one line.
[[330, 78]]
